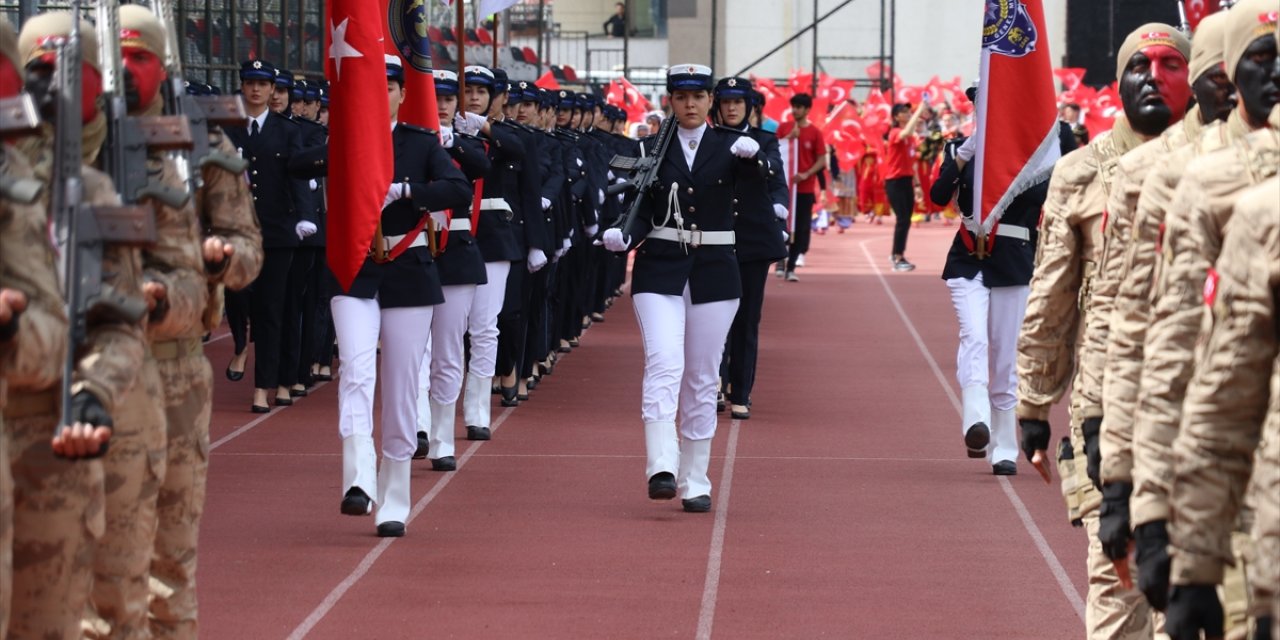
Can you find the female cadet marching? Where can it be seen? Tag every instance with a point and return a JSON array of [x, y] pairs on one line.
[[760, 229], [685, 285], [461, 270], [392, 299]]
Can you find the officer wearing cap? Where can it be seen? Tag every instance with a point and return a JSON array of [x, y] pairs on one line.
[[462, 270], [760, 208], [268, 143], [392, 300], [307, 318], [685, 284]]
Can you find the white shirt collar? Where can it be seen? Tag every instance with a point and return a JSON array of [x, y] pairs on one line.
[[261, 120], [691, 134]]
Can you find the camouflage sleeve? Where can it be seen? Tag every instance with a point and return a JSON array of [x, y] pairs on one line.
[[226, 210], [113, 353], [1264, 571], [33, 360], [176, 262], [1046, 345], [1152, 456], [1116, 436], [1227, 396]]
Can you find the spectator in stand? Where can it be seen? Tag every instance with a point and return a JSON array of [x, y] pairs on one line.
[[616, 25], [813, 157], [654, 120], [1069, 113], [899, 178]]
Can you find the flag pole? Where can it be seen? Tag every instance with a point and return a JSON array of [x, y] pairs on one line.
[[496, 29], [460, 37]]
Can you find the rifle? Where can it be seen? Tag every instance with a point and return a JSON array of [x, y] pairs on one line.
[[202, 113], [82, 231], [124, 154], [1183, 24], [645, 176]]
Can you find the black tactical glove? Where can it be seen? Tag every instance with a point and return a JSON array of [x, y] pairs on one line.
[[1092, 428], [1194, 608], [1151, 540], [1263, 632], [1035, 436], [10, 329], [86, 408], [1113, 520]]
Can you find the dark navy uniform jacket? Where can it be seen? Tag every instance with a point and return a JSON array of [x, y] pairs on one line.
[[499, 234], [461, 262], [278, 198], [705, 196], [758, 229], [1012, 261], [314, 135], [435, 184]]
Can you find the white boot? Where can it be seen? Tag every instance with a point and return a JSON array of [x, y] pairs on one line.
[[976, 423], [424, 394], [695, 458], [393, 493], [441, 432], [1004, 436], [475, 400], [662, 448], [359, 464]]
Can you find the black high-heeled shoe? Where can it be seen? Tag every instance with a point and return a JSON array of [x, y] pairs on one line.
[[509, 396], [232, 374]]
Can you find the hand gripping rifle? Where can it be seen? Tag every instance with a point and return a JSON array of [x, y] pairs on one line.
[[82, 231], [644, 178], [202, 112], [124, 154]]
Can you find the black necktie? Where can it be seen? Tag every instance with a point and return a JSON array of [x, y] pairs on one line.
[[254, 130]]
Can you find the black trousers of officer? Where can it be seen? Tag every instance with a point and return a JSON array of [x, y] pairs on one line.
[[296, 290], [536, 325], [238, 307], [267, 308], [567, 278], [317, 320], [511, 320], [743, 345], [804, 228]]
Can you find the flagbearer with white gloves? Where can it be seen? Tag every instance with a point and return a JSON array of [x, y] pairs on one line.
[[989, 293], [461, 269], [391, 299], [686, 286]]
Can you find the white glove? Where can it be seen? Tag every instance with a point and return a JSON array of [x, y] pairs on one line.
[[536, 260], [601, 195], [614, 240], [446, 137], [395, 192], [469, 123], [622, 197], [611, 174], [745, 147], [305, 228], [592, 230], [546, 204], [441, 218], [566, 244], [313, 184], [780, 211], [967, 149]]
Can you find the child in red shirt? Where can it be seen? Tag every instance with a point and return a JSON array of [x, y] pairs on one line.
[[812, 161], [899, 178]]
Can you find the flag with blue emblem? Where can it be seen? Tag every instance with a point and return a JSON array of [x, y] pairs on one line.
[[408, 36]]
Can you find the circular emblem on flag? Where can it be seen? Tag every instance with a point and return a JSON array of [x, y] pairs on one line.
[[257, 64], [1007, 29], [408, 22]]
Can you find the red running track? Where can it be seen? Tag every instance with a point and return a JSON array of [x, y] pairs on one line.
[[845, 507]]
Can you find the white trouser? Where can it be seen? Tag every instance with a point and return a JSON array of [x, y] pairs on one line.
[[683, 343], [440, 380], [359, 323], [986, 361], [482, 319]]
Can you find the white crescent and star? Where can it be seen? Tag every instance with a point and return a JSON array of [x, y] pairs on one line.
[[338, 46]]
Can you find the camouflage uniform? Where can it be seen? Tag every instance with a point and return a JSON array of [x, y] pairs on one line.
[[225, 209], [1120, 292], [1057, 311], [58, 504], [135, 466], [32, 360], [1235, 387]]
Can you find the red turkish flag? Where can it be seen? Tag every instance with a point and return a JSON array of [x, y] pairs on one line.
[[626, 95], [1017, 123], [361, 163], [419, 107], [548, 81], [1197, 10]]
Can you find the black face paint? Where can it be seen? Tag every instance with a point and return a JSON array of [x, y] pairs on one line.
[[1215, 94], [1146, 105], [1256, 80]]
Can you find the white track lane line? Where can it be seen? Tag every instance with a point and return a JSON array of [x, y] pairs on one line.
[[710, 588], [366, 563], [1064, 581]]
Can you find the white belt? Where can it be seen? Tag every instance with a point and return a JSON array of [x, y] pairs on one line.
[[693, 238], [460, 224], [390, 242], [1014, 231], [495, 204]]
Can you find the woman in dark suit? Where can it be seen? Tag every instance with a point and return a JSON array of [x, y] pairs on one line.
[[686, 285], [391, 299]]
